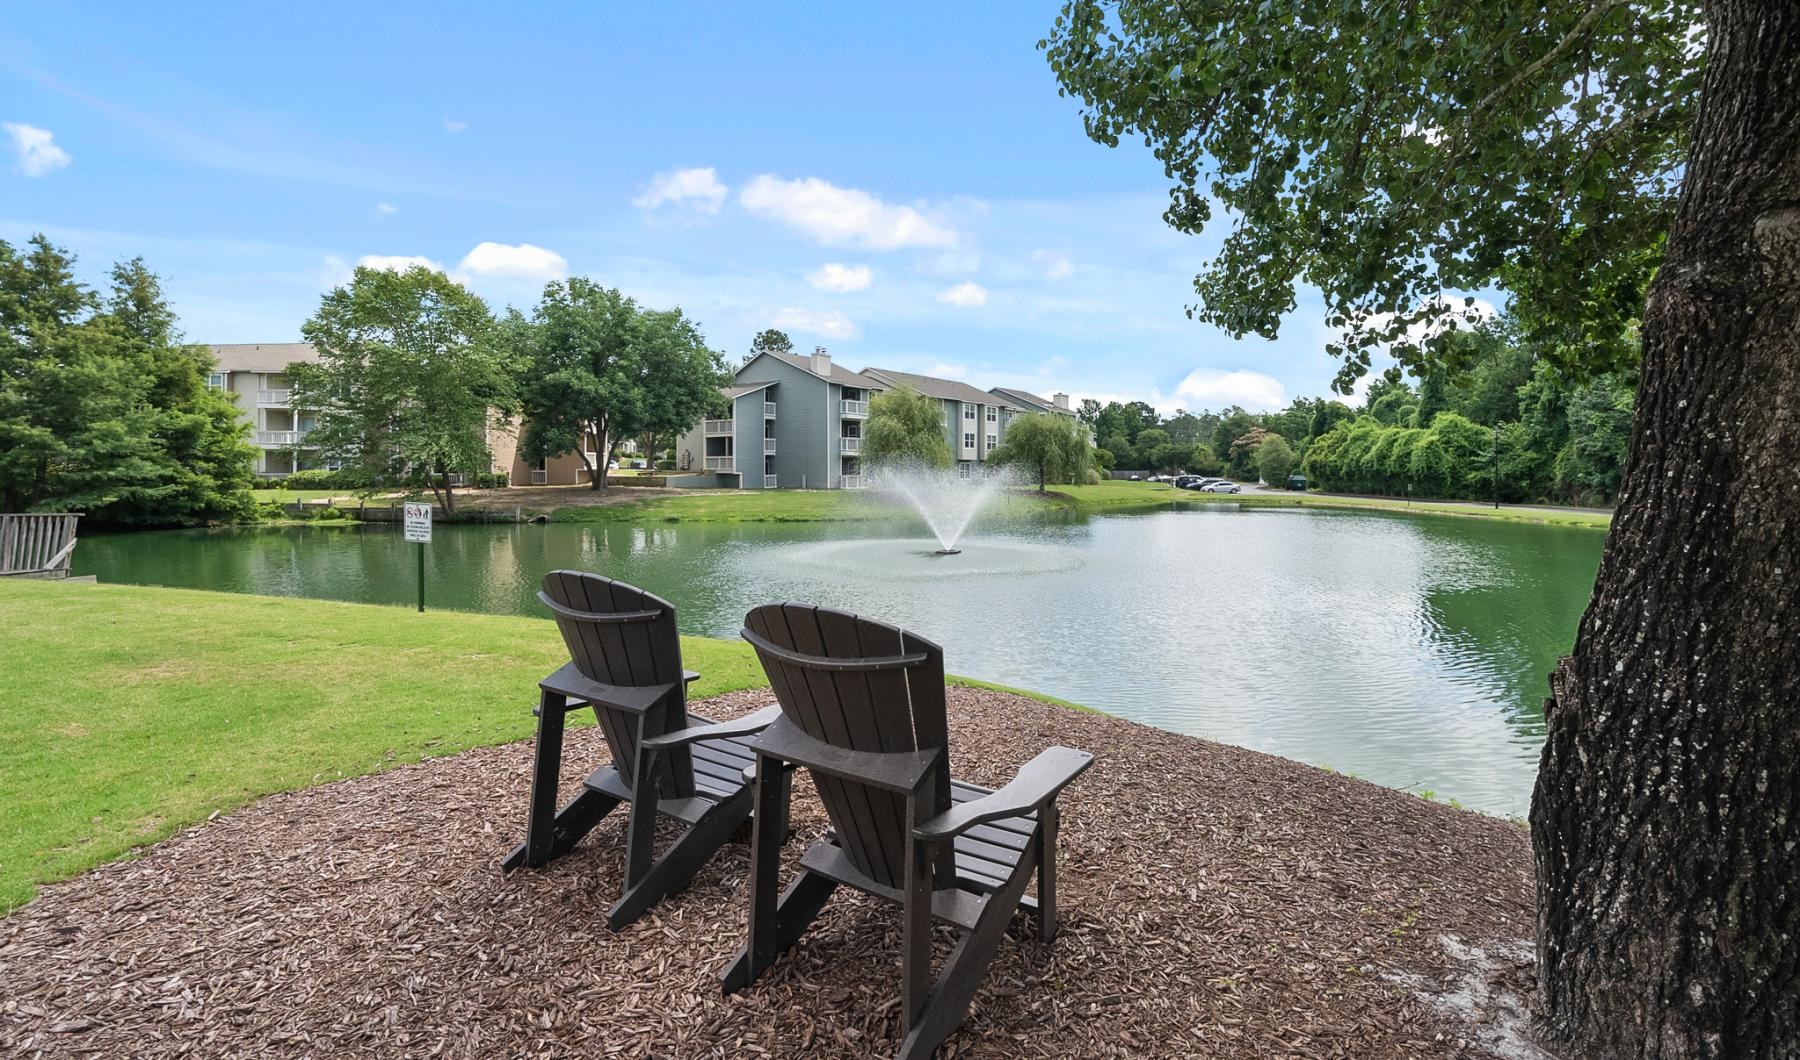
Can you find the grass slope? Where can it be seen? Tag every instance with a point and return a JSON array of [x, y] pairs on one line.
[[816, 506], [129, 712]]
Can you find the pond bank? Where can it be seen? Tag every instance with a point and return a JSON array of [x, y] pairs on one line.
[[1215, 902]]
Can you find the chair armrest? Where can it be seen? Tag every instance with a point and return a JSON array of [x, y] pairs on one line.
[[1036, 783], [633, 699], [747, 725], [901, 772], [688, 677]]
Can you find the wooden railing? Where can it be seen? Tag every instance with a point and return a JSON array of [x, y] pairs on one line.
[[37, 544]]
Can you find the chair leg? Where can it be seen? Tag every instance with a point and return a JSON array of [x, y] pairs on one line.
[[963, 971], [915, 933], [1044, 845], [549, 832], [799, 905], [767, 834], [672, 873], [640, 835]]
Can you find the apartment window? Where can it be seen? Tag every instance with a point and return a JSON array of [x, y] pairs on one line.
[[969, 441], [993, 414], [968, 412], [993, 440], [216, 380]]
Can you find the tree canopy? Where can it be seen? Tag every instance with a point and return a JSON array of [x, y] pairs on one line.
[[1050, 447], [905, 427], [408, 379], [1392, 158], [594, 367], [103, 409]]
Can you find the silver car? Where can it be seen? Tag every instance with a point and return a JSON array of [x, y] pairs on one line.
[[1221, 487]]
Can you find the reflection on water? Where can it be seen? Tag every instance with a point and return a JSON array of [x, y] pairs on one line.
[[1410, 651]]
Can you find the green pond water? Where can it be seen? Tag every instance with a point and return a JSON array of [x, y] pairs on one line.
[[1411, 651]]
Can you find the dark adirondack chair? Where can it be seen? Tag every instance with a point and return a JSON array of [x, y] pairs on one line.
[[625, 663], [862, 709]]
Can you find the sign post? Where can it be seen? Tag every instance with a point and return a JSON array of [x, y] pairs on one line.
[[417, 518]]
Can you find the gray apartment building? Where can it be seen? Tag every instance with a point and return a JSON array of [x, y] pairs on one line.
[[797, 422], [974, 420]]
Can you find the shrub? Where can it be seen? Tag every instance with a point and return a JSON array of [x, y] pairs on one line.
[[319, 479]]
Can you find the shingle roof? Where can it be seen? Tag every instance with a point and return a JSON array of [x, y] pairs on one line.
[[947, 389], [839, 374], [261, 356], [1026, 397], [739, 390]]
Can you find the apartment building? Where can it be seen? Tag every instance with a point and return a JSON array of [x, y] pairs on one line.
[[794, 421], [254, 375], [974, 420], [797, 422]]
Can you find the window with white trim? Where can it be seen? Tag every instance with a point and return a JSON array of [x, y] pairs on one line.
[[968, 412], [216, 380], [993, 414], [969, 441], [993, 440]]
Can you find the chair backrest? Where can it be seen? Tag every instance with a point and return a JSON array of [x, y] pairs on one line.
[[864, 685], [618, 634]]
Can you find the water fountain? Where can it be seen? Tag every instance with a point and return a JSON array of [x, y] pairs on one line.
[[946, 500]]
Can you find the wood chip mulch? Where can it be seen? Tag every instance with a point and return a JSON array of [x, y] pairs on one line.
[[1215, 902]]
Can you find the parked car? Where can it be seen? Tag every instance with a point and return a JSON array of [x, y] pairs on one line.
[[1135, 478], [1188, 482], [1296, 482], [1221, 487]]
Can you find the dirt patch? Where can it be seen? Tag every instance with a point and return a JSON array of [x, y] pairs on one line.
[[1215, 902], [544, 499]]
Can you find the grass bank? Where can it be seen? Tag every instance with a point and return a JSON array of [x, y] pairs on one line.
[[128, 712], [822, 506]]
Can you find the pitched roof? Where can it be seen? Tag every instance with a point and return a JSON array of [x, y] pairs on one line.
[[1026, 397], [947, 389], [839, 374], [740, 389], [261, 356]]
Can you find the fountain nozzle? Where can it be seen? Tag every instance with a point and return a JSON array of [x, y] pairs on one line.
[[948, 552]]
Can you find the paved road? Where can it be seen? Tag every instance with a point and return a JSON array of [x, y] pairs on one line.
[[1473, 505]]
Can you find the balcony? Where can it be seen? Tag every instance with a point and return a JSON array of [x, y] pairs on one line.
[[717, 426], [721, 463], [768, 447], [856, 408], [274, 398], [768, 410], [849, 445], [278, 438], [768, 482], [851, 482]]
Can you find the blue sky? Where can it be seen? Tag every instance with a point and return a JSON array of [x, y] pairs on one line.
[[899, 183]]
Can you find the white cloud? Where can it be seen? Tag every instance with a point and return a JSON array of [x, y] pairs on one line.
[[396, 262], [452, 125], [948, 371], [1056, 264], [968, 295], [833, 276], [36, 148], [696, 189], [386, 209], [1214, 389], [831, 214], [523, 261], [831, 323]]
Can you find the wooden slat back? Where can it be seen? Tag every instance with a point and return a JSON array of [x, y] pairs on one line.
[[35, 541], [898, 707], [645, 651]]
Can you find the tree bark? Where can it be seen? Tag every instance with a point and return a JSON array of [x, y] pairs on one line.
[[1667, 810], [597, 474]]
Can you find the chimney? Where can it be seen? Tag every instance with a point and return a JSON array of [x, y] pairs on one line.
[[1061, 400], [821, 362]]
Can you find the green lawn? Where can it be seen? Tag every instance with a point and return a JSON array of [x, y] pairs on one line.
[[813, 506], [128, 712]]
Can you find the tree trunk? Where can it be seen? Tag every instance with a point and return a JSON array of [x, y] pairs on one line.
[[1667, 811], [597, 470]]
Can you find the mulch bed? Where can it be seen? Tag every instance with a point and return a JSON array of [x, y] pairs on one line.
[[1215, 901]]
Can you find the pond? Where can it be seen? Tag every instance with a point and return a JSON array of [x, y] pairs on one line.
[[1411, 651]]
